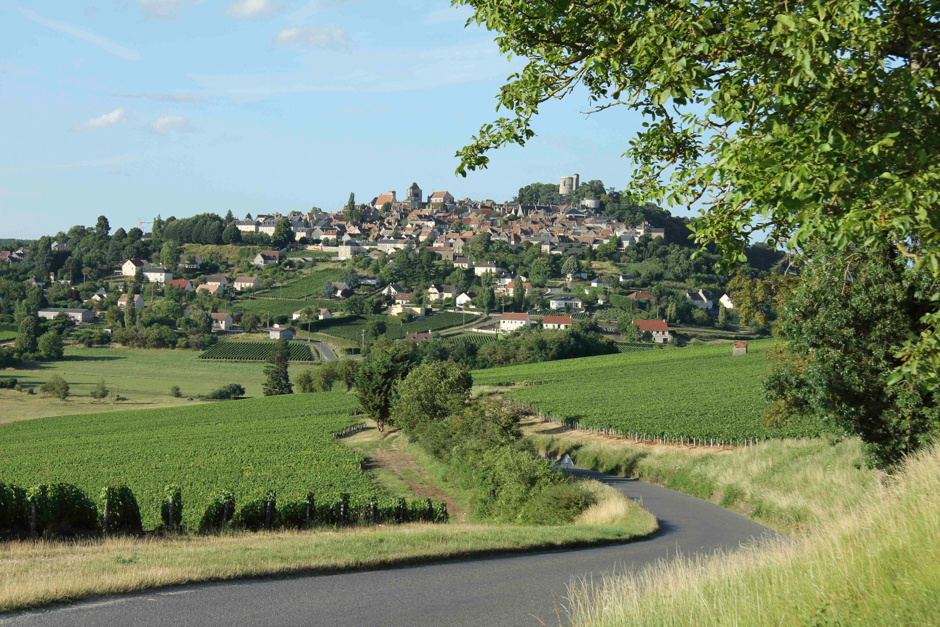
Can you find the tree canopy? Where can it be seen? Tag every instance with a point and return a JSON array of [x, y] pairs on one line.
[[806, 121]]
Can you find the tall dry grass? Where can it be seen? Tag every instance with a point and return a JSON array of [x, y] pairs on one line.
[[876, 565]]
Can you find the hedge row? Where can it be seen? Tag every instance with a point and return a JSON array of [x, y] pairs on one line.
[[63, 510]]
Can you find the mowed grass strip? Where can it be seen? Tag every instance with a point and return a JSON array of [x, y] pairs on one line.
[[698, 392], [34, 574], [280, 443]]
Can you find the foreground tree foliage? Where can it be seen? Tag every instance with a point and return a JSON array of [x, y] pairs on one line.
[[278, 381], [808, 120], [843, 324]]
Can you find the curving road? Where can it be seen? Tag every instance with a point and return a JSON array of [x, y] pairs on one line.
[[512, 590]]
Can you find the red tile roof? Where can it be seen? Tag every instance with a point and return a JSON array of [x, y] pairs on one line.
[[651, 325], [515, 316], [557, 320]]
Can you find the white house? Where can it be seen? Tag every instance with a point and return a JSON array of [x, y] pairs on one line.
[[464, 299], [158, 275], [462, 262], [267, 258], [557, 323], [246, 282], [561, 301], [138, 301], [725, 301], [222, 321], [486, 266], [129, 267], [441, 292], [657, 328], [391, 290], [701, 299], [324, 314], [278, 333], [76, 315], [509, 322], [216, 279]]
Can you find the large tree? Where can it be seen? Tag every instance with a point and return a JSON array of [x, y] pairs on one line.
[[278, 382], [378, 377], [844, 323], [283, 234], [804, 120]]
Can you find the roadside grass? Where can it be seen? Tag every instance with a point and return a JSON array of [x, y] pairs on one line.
[[34, 574], [789, 485], [143, 376], [877, 564]]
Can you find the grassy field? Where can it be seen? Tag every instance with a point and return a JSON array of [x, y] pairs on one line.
[[792, 486], [306, 287], [876, 565], [281, 443], [142, 376], [350, 327], [696, 392], [275, 307]]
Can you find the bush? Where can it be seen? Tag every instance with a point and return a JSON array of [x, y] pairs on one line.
[[14, 513], [123, 510], [100, 391], [50, 345], [174, 493], [175, 391], [8, 384], [56, 386], [214, 518], [557, 504], [232, 390], [62, 510]]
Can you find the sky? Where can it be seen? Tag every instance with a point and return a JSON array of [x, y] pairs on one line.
[[134, 108]]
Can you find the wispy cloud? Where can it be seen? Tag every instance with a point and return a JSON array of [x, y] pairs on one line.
[[248, 9], [160, 9], [178, 98], [112, 48], [68, 166], [171, 123], [103, 121], [332, 38]]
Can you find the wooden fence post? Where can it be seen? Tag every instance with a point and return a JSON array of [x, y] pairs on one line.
[[107, 513], [172, 514]]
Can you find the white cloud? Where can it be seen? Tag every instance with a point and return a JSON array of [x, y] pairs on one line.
[[333, 38], [171, 123], [177, 98], [103, 121], [68, 166], [160, 9], [119, 51], [246, 9]]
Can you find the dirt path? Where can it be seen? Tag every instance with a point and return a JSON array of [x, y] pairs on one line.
[[386, 451]]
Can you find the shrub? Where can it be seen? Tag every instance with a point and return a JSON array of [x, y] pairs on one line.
[[173, 493], [214, 518], [232, 390], [100, 391], [8, 384], [175, 391], [62, 510], [50, 345], [56, 386], [123, 510], [557, 504], [14, 513]]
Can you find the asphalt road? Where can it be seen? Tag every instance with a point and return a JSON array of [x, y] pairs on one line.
[[514, 590], [325, 351]]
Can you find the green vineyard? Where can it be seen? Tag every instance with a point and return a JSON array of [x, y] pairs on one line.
[[625, 347], [255, 351], [281, 443], [304, 288], [476, 340], [351, 327], [701, 392]]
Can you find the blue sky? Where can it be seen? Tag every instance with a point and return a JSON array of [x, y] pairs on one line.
[[131, 108]]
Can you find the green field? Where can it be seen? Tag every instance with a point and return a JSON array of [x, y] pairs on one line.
[[306, 287], [701, 392], [255, 351], [282, 443], [351, 327], [275, 307], [477, 339], [141, 375]]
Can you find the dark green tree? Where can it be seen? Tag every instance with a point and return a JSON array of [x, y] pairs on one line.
[[102, 228], [378, 377], [844, 325], [283, 234], [231, 235], [26, 341], [429, 394], [50, 346], [278, 381]]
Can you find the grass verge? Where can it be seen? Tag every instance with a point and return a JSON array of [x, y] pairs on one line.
[[788, 485], [877, 565], [34, 574]]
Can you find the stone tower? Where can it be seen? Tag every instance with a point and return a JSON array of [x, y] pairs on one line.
[[569, 185], [414, 196]]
